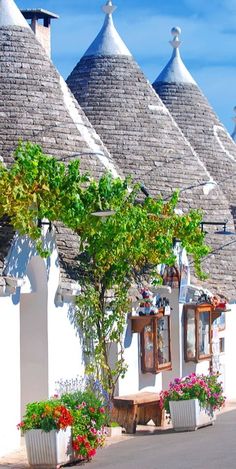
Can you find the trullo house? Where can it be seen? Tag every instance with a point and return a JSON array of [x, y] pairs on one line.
[[146, 141], [36, 294], [129, 131]]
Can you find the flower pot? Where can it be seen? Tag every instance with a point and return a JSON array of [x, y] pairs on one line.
[[48, 450], [113, 431], [189, 415]]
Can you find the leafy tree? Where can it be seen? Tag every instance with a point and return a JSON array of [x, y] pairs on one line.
[[115, 252]]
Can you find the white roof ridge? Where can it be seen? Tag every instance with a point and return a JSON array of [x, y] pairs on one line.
[[10, 15], [108, 41], [175, 71], [234, 132]]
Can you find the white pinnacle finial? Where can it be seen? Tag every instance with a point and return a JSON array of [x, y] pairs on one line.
[[109, 8], [176, 31], [108, 42], [10, 15]]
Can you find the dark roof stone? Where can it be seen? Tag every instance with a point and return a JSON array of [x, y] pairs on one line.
[[204, 131], [146, 143], [36, 105]]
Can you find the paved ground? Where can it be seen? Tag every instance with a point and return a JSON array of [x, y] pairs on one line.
[[207, 448]]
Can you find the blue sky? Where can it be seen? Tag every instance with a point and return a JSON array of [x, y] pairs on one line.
[[208, 39]]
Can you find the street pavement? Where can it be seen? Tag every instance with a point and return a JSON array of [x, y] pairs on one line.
[[212, 447]]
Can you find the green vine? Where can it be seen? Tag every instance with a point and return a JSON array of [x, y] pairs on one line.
[[114, 252]]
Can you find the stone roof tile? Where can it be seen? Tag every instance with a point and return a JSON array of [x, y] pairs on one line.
[[146, 142], [36, 105], [201, 126]]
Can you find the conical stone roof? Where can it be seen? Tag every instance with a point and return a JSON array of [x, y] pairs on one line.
[[198, 121], [36, 105], [146, 142]]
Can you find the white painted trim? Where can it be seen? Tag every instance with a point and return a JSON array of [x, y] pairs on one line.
[[86, 132], [215, 131], [10, 15]]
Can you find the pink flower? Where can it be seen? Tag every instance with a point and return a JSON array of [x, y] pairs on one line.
[[93, 431]]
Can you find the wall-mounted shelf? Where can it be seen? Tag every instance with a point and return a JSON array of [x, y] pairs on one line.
[[139, 322]]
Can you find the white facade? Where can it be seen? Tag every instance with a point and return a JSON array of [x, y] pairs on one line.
[[136, 381], [38, 344], [10, 374]]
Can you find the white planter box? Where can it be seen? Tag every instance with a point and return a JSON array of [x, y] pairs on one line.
[[48, 450], [113, 431], [188, 415]]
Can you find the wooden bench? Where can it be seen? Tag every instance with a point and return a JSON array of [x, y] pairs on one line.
[[138, 408]]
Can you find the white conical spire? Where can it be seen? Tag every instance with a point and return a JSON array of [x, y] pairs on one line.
[[10, 15], [175, 71], [234, 132], [108, 41]]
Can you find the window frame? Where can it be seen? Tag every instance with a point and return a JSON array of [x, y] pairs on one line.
[[157, 367], [198, 310]]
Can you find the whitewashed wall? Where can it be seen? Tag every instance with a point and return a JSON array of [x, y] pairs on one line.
[[34, 335], [65, 359], [230, 353], [135, 380], [10, 374], [38, 344]]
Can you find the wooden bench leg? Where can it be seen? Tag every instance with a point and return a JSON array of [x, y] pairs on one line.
[[126, 417], [160, 417], [131, 422]]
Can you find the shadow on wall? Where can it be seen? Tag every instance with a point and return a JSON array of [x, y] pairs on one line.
[[146, 380], [128, 334], [17, 263], [22, 250]]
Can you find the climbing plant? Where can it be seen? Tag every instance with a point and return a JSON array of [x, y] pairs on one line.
[[115, 252]]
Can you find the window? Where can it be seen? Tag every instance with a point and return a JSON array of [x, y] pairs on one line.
[[197, 332], [222, 345], [155, 345]]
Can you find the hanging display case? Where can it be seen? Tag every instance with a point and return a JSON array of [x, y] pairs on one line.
[[155, 345], [197, 332], [154, 341]]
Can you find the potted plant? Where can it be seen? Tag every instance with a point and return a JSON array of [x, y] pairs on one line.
[[191, 402], [47, 429], [89, 423], [63, 429]]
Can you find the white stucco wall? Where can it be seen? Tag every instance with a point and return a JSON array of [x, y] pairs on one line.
[[230, 353], [64, 348], [10, 374], [175, 339], [37, 329], [58, 355], [34, 335], [136, 381], [38, 344]]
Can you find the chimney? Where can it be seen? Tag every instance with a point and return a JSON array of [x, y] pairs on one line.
[[41, 30]]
